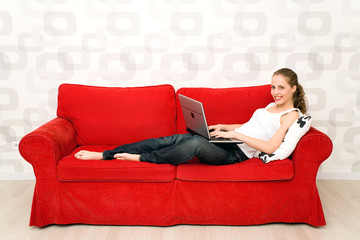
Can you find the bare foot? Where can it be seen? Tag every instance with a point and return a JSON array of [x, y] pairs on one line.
[[127, 156], [87, 155]]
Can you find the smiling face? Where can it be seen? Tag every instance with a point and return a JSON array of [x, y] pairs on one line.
[[281, 91]]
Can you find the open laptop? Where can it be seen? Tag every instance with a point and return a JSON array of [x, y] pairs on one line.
[[195, 120]]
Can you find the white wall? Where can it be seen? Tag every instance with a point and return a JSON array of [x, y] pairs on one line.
[[217, 43]]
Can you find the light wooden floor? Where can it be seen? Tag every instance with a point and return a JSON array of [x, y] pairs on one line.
[[341, 203]]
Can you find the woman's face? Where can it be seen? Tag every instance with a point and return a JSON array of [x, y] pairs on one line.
[[281, 91]]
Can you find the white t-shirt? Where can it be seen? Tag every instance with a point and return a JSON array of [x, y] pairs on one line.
[[262, 125]]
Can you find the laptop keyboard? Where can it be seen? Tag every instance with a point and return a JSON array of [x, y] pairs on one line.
[[220, 139]]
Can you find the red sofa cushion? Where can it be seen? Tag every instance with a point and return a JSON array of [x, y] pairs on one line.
[[72, 169], [251, 170], [115, 115], [226, 105]]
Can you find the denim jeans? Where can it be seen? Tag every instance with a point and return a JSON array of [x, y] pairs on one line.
[[180, 148]]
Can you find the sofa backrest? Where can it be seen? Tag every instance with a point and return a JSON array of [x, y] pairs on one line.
[[226, 105], [116, 115]]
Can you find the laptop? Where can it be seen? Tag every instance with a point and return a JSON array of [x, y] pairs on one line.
[[195, 120]]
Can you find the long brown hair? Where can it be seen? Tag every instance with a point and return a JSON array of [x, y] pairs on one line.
[[299, 98]]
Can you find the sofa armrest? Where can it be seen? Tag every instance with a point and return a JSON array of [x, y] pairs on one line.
[[312, 149], [45, 146]]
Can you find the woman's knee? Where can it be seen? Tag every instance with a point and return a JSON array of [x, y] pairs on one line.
[[198, 141]]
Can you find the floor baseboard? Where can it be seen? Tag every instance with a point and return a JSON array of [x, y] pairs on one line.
[[338, 176], [17, 176]]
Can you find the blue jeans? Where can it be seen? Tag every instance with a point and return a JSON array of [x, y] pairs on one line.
[[180, 148]]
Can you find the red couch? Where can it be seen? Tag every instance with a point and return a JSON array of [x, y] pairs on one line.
[[117, 192]]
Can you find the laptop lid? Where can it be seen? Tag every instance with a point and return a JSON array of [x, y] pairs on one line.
[[195, 119]]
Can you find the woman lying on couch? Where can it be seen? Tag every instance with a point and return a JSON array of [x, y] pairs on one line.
[[264, 132]]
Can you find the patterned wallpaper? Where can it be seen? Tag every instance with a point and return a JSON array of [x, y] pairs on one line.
[[210, 43]]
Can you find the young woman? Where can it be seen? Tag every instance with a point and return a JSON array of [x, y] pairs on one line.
[[264, 131]]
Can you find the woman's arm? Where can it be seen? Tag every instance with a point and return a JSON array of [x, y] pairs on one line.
[[264, 146]]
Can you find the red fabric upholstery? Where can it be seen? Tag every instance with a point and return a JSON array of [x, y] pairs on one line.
[[250, 170], [45, 146], [247, 203], [225, 105], [103, 202], [127, 120], [71, 191], [72, 169]]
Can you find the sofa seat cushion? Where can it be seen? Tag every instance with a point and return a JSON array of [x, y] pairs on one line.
[[71, 169], [251, 170]]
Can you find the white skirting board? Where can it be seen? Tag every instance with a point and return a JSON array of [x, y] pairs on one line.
[[17, 176], [338, 176]]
